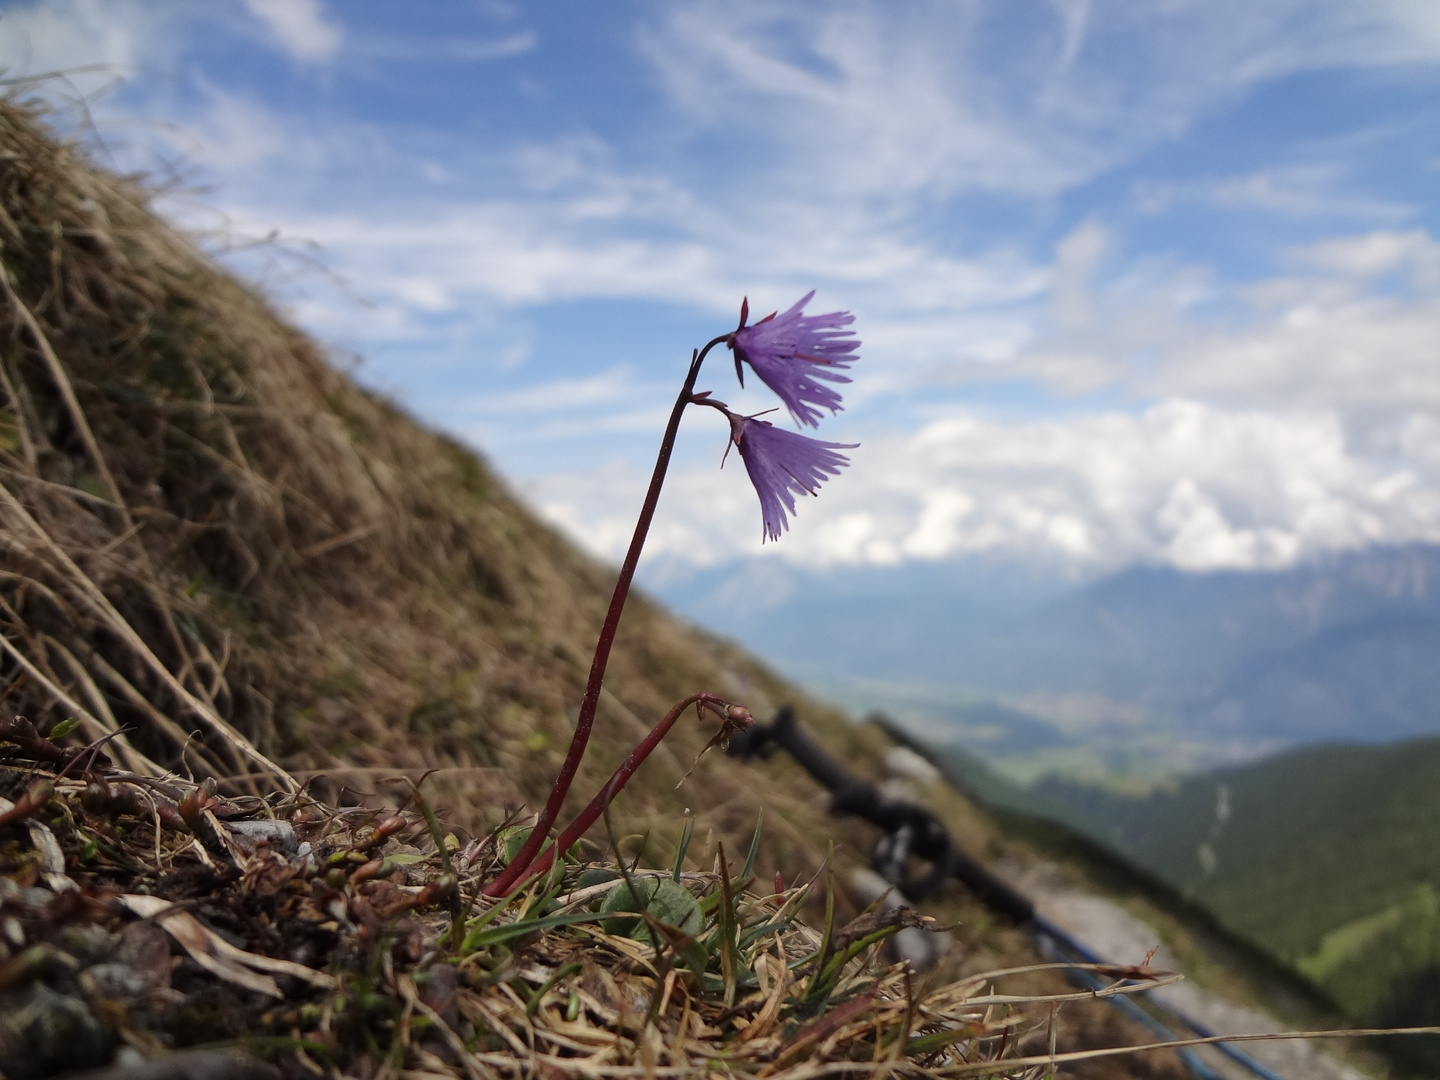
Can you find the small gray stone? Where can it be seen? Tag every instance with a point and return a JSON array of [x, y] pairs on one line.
[[36, 899], [88, 942], [145, 949], [48, 1032], [280, 835], [116, 982]]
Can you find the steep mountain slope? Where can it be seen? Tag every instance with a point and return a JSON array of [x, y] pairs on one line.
[[211, 536]]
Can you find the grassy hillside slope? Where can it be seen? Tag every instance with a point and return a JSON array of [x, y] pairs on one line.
[[208, 530]]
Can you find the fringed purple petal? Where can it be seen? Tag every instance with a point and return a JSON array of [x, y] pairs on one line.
[[783, 464], [792, 351]]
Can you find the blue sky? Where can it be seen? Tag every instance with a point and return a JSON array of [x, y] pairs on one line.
[[1137, 282]]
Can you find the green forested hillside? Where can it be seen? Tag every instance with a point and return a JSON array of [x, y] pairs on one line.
[[1327, 857]]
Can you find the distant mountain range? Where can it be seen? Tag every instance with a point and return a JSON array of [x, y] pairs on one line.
[[1148, 668]]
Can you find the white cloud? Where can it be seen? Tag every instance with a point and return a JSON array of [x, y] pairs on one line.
[[234, 133], [869, 118], [584, 231], [1202, 538], [597, 391], [864, 100], [866, 107], [72, 35], [390, 47], [1183, 483], [1362, 257], [1328, 337], [301, 27], [1311, 190]]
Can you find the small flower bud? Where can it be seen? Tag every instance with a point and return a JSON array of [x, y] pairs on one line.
[[739, 716], [197, 801], [391, 825], [97, 796], [170, 816], [190, 809], [375, 868]]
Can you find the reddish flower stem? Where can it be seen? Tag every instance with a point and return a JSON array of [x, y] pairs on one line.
[[506, 881], [619, 779]]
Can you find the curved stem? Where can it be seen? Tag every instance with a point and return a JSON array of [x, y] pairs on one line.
[[619, 779], [503, 884]]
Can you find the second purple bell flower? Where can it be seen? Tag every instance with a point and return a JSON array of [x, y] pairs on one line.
[[783, 464]]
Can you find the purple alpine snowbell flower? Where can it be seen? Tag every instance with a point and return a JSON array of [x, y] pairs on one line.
[[790, 351], [783, 464]]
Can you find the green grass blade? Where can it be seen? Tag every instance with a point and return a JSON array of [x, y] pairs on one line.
[[754, 847], [728, 931], [686, 835], [496, 934]]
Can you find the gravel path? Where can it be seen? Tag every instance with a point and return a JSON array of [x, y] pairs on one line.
[[1113, 933]]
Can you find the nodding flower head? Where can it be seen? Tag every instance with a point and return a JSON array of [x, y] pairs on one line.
[[791, 351], [783, 464]]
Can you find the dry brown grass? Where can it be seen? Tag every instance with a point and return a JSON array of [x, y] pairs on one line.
[[209, 935], [216, 541]]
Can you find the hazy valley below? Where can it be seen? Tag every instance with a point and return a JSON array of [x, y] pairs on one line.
[[1149, 672], [1265, 745]]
